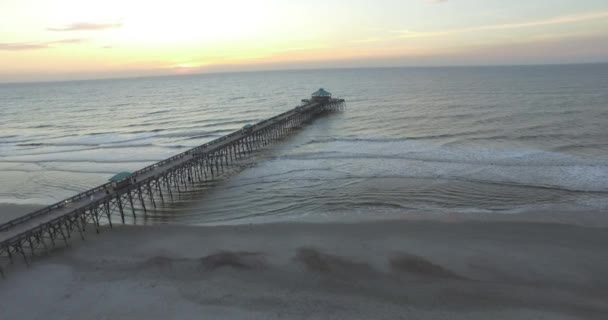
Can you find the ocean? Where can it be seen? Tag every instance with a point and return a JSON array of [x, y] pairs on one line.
[[484, 140]]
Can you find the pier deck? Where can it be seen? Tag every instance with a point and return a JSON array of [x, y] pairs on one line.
[[58, 221]]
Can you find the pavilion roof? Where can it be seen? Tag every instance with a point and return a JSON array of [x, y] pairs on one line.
[[322, 93], [120, 176]]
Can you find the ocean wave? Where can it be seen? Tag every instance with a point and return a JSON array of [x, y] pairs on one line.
[[104, 145], [411, 149], [203, 136], [506, 162], [158, 112], [146, 131], [30, 144], [92, 161], [147, 124], [190, 135], [97, 139], [121, 105], [442, 137], [534, 168]]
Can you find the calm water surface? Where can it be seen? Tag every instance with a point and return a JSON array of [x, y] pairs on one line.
[[487, 139]]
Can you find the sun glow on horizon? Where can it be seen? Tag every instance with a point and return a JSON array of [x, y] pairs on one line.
[[68, 38]]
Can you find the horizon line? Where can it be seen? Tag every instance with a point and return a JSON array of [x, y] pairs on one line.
[[302, 69]]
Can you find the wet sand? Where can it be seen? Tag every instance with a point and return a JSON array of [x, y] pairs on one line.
[[363, 270]]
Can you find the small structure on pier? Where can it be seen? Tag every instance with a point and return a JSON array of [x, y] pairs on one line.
[[120, 180], [321, 95], [247, 128], [120, 176]]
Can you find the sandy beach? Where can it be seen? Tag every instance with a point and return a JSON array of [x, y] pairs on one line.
[[363, 270]]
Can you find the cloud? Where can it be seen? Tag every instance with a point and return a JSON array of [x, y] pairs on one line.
[[545, 22], [86, 26], [66, 41], [506, 26], [24, 46], [411, 34]]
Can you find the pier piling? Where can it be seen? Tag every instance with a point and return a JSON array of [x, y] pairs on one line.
[[203, 163]]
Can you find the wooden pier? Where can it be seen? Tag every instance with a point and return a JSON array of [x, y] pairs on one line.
[[43, 229]]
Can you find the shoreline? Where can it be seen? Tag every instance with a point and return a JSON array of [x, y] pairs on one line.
[[587, 218], [358, 270]]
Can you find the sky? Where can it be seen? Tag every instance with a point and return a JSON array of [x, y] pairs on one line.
[[76, 39]]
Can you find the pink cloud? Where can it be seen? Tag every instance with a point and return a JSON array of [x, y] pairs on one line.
[[23, 46], [86, 26]]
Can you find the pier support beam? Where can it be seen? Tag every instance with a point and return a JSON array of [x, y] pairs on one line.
[[131, 203], [203, 163], [141, 199], [160, 191], [122, 213]]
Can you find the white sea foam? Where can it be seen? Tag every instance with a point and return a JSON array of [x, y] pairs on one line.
[[517, 166]]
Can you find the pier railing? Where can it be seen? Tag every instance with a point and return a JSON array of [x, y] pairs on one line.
[[88, 193], [176, 173]]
